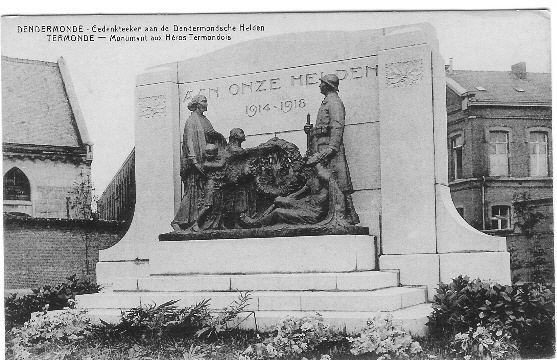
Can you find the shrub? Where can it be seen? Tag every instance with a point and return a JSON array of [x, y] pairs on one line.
[[483, 343], [44, 329], [219, 320], [293, 337], [18, 309], [537, 264], [381, 337], [154, 323], [525, 312]]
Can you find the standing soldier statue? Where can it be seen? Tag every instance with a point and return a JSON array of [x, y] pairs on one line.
[[327, 148]]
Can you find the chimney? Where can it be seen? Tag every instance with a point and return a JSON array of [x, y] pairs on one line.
[[519, 70], [449, 68]]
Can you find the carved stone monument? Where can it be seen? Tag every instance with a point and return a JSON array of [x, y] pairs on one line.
[[379, 155], [269, 186]]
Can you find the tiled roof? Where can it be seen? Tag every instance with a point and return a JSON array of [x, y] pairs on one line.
[[504, 86], [35, 105]]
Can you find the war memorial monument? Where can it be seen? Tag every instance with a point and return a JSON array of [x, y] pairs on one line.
[[308, 169]]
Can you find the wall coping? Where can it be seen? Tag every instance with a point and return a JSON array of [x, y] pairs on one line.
[[13, 220]]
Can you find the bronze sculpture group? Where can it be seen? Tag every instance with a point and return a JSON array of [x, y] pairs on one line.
[[227, 187]]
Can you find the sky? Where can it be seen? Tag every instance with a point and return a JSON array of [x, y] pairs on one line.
[[103, 72]]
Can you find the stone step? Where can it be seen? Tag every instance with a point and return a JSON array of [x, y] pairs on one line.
[[412, 318], [351, 281], [387, 299]]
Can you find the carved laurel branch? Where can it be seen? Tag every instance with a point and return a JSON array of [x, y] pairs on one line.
[[404, 73], [151, 106]]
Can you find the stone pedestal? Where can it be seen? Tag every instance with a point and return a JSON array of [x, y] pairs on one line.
[[332, 253]]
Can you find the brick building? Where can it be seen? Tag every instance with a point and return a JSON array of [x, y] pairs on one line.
[[499, 142], [45, 144], [117, 202]]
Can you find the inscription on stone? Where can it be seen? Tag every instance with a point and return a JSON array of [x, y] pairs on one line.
[[279, 100], [296, 80]]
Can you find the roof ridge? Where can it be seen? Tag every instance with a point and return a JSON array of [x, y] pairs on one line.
[[28, 61], [497, 71]]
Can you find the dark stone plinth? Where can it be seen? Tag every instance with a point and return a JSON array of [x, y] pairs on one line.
[[268, 232]]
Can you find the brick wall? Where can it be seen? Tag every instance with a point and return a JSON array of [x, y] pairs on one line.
[[467, 195], [476, 147], [46, 251]]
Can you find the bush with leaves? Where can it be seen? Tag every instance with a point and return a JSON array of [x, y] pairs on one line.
[[525, 312], [18, 309], [527, 218], [483, 343], [381, 337], [294, 337]]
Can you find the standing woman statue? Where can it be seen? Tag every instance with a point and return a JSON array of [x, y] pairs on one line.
[[198, 132]]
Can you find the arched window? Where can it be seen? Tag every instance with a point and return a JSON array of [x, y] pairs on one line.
[[16, 185]]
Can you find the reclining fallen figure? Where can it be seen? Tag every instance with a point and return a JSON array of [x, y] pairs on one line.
[[309, 205]]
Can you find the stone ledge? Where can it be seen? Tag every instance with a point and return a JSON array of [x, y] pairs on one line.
[[350, 281], [269, 232], [23, 221], [387, 299]]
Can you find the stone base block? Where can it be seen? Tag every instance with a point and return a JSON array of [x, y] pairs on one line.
[[415, 269], [331, 253], [487, 266], [430, 269], [109, 271]]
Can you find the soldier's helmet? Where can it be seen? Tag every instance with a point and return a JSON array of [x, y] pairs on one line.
[[331, 80]]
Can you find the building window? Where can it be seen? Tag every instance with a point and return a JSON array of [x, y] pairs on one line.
[[538, 154], [16, 185], [500, 217], [498, 153], [457, 144]]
